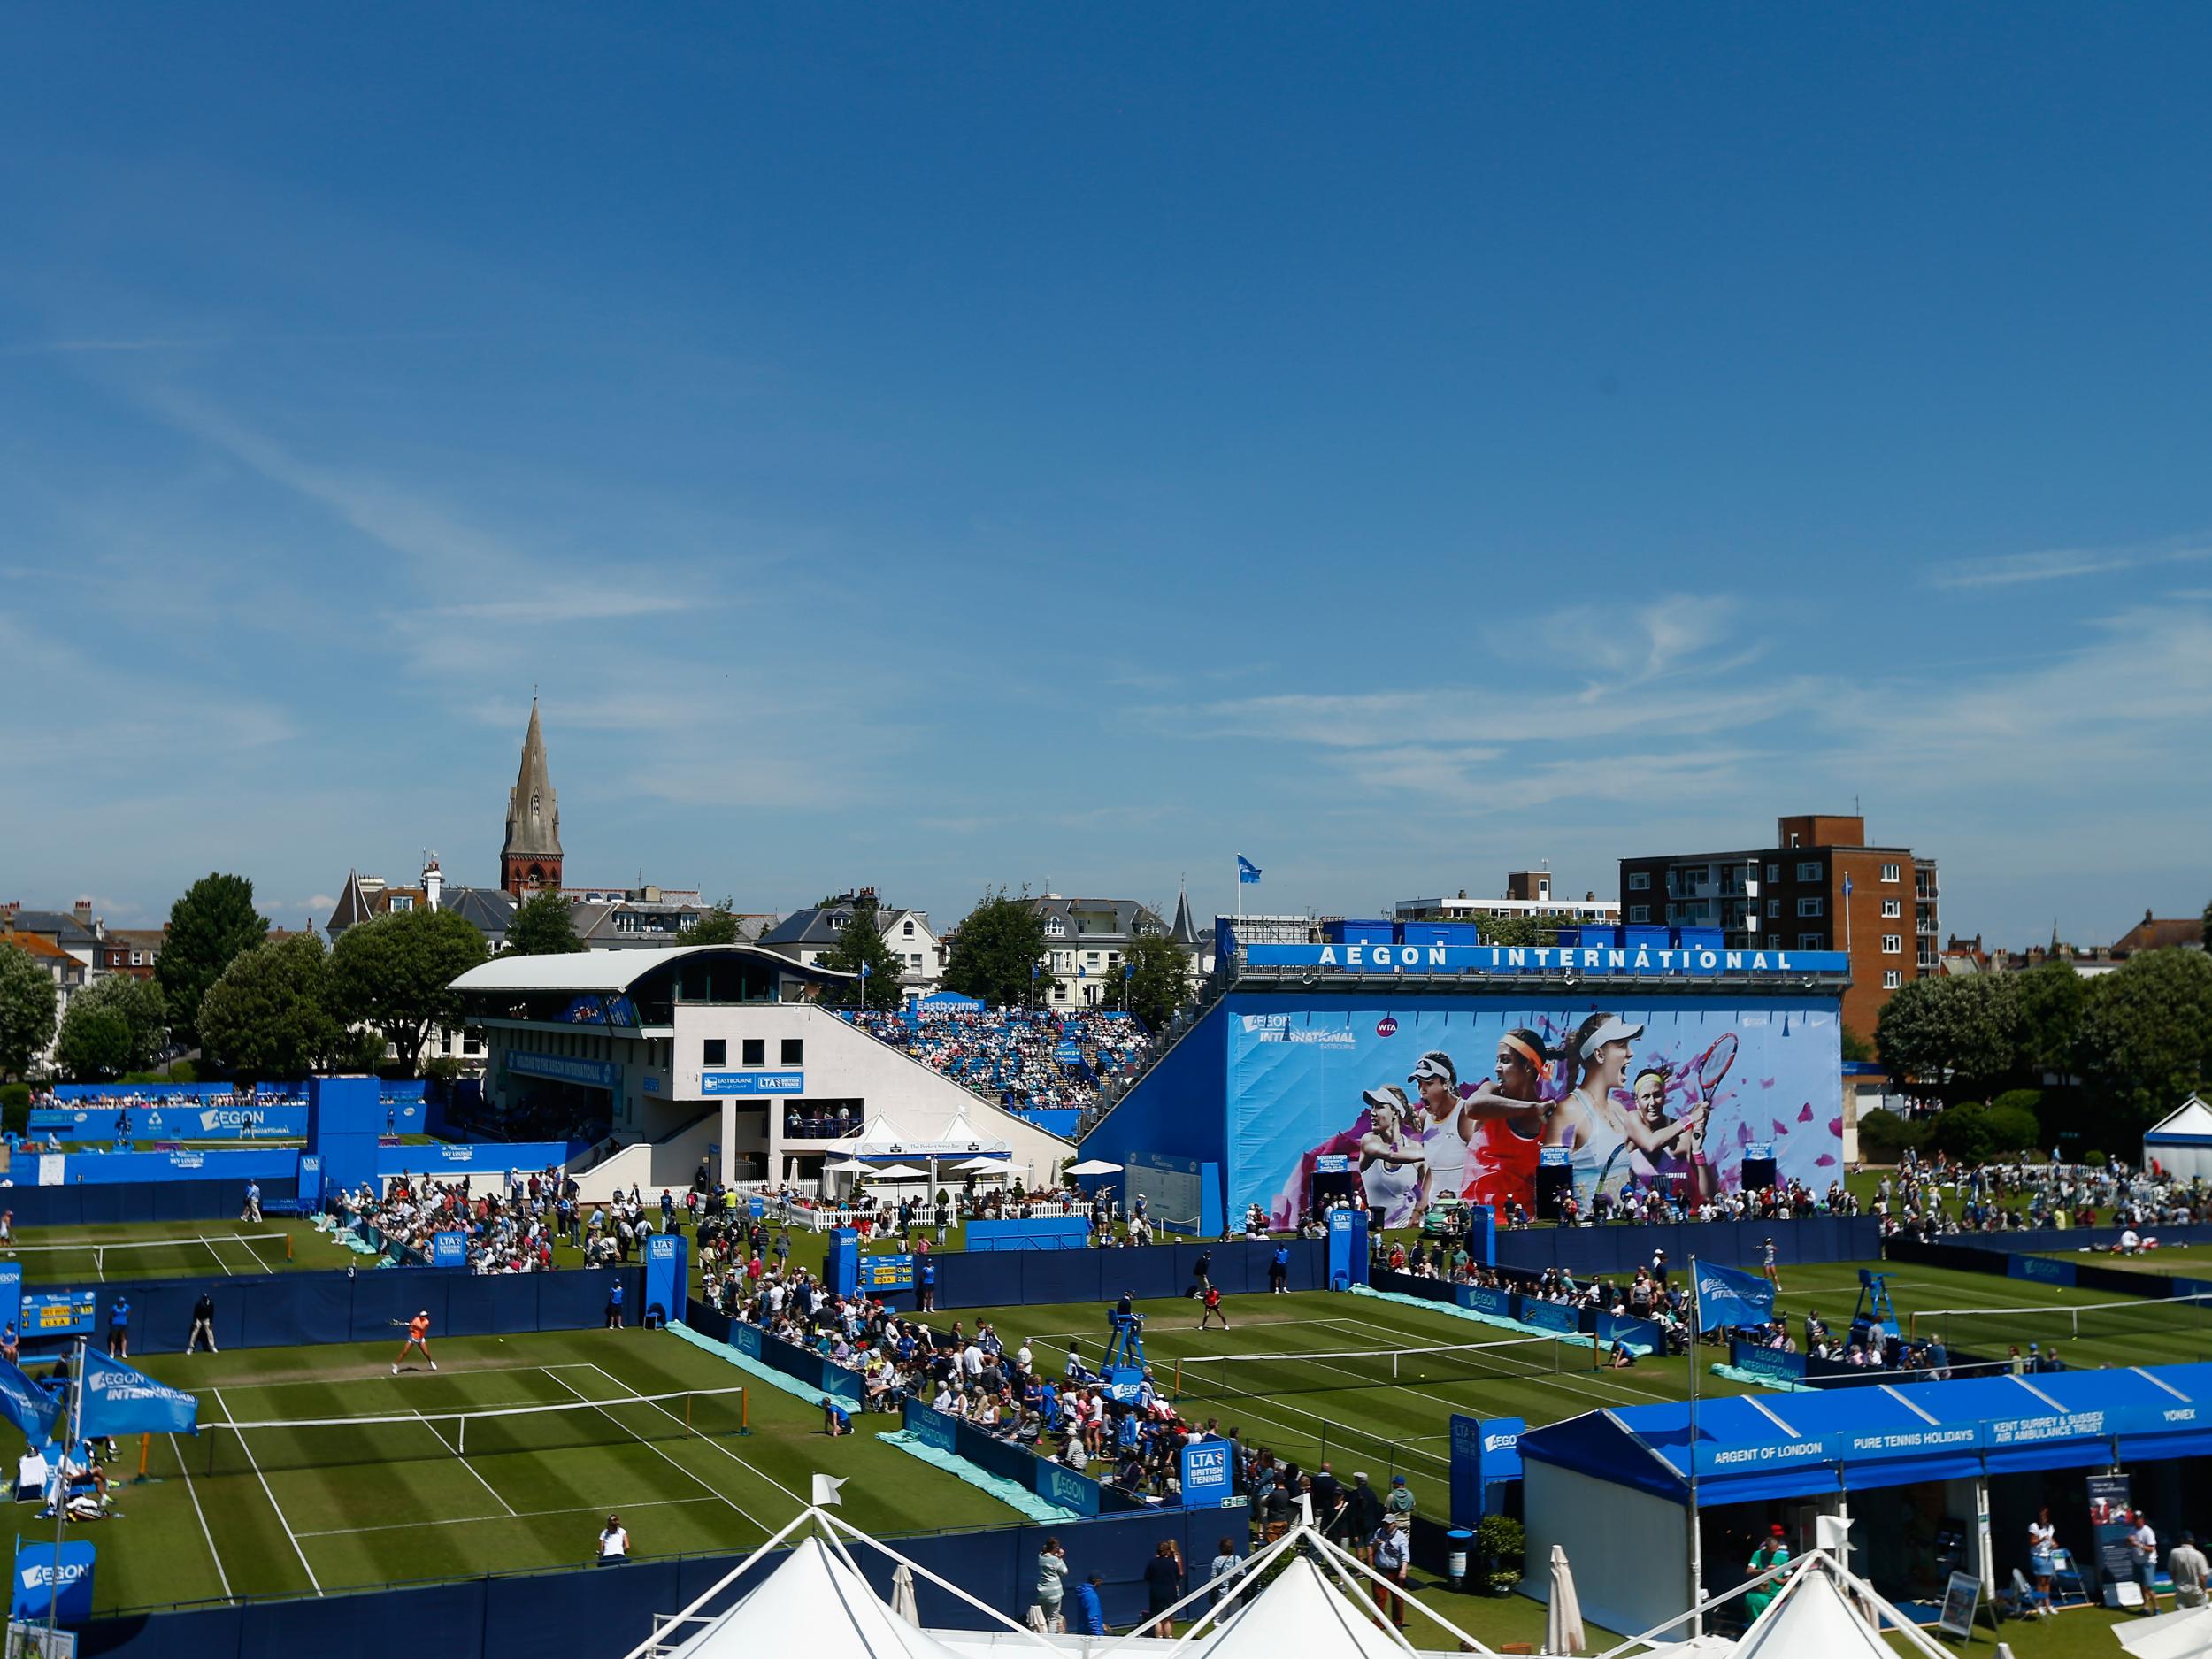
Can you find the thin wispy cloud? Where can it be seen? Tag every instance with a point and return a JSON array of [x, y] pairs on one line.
[[2012, 570]]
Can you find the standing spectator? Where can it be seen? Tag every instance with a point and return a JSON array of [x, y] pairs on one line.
[[614, 1542], [7, 1231], [1401, 1499], [1366, 1511], [925, 1281], [1226, 1564], [614, 1305], [10, 1345], [1089, 1618], [252, 1210], [1278, 1271], [1388, 1550], [202, 1324], [2143, 1547], [1163, 1583], [2188, 1569], [1204, 1271], [120, 1329], [1052, 1583]]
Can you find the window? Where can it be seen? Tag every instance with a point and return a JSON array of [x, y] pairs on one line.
[[1090, 958], [1056, 929], [717, 1051], [1893, 944], [1892, 872], [909, 930], [754, 1051], [1892, 977], [914, 961], [1640, 912], [794, 1051], [1893, 908], [138, 958], [403, 902], [1774, 907], [1812, 906], [1809, 871], [1812, 941], [1639, 881], [1774, 873]]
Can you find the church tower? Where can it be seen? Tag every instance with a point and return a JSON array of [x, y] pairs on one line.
[[531, 860]]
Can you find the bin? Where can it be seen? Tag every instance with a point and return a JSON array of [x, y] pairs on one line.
[[1457, 1543]]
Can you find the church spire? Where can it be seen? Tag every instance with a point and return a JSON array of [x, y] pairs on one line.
[[530, 858]]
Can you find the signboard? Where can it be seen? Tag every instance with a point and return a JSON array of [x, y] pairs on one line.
[[1523, 960], [51, 1578], [1305, 1073], [2109, 1504], [1960, 1597], [752, 1082], [1466, 1470], [449, 1250], [880, 1273], [561, 1068], [52, 1168], [1206, 1480], [58, 1313], [11, 1294]]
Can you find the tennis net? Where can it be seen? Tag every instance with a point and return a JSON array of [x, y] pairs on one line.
[[98, 1254], [2162, 1321], [1263, 1374], [258, 1447]]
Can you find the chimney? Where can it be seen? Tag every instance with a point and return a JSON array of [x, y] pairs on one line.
[[82, 911], [9, 911], [432, 880]]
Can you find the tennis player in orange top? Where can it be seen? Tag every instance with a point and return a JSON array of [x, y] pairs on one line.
[[418, 1340]]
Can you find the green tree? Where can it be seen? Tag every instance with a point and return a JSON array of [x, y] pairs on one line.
[[1517, 930], [1856, 1046], [113, 1026], [1157, 978], [2051, 998], [269, 1016], [717, 926], [396, 973], [860, 943], [27, 998], [2146, 1034], [214, 922], [543, 926], [994, 950], [1959, 1035]]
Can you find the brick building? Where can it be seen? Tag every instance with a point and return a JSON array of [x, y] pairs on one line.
[[1821, 887]]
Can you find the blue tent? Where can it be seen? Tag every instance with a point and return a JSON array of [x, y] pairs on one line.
[[1756, 1447]]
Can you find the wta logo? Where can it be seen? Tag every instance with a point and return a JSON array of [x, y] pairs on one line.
[[1386, 1027]]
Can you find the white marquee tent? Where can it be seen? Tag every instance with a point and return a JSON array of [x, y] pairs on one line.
[[2181, 1142]]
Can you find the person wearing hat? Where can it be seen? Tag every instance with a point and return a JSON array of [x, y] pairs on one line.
[[1774, 1552], [1391, 1552], [1590, 1124], [1400, 1500], [1391, 1160], [1445, 1124], [417, 1342]]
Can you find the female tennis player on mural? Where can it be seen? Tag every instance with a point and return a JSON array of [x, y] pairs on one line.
[[1682, 1156], [1391, 1162], [1511, 1109], [1590, 1124]]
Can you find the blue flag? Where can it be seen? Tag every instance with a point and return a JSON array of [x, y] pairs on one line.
[[1725, 1296], [26, 1404], [1846, 887], [1248, 872], [118, 1400]]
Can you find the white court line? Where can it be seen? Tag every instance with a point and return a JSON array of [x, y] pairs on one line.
[[520, 1515], [253, 1463], [194, 1493], [464, 1463], [208, 1245], [1559, 1379], [697, 1480], [454, 1371], [711, 1441]]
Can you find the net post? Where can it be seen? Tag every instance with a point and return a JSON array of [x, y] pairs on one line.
[[1178, 1379], [288, 1246], [745, 1410], [686, 1414], [145, 1452]]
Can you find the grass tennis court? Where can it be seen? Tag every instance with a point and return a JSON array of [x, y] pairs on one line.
[[2184, 1261], [173, 1249], [295, 1510]]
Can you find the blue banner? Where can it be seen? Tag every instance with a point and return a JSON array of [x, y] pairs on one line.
[[11, 1294], [449, 1250], [175, 1120], [118, 1399], [1550, 1315], [26, 1404], [54, 1581], [1522, 960], [1662, 1092], [1724, 1296], [441, 1159], [57, 1313], [1207, 1484], [752, 1083], [562, 1068]]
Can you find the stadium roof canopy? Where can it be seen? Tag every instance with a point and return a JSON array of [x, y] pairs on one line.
[[1757, 1447], [614, 969]]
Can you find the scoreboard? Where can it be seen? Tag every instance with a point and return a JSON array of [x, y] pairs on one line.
[[58, 1313], [886, 1272]]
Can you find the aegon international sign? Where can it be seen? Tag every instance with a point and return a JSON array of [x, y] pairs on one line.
[[1590, 959]]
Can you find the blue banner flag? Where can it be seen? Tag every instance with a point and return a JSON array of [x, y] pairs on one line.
[[1248, 872], [118, 1400], [1725, 1296], [26, 1404]]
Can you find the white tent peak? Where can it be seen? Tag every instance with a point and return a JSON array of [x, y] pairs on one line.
[[1811, 1615], [1302, 1613], [2192, 1117], [814, 1604]]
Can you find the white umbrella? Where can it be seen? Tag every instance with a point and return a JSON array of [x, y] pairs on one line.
[[2187, 1635], [1562, 1622], [899, 1172], [903, 1603], [846, 1166], [985, 1166], [1094, 1166]]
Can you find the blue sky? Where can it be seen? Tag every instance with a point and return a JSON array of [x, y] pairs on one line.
[[944, 445]]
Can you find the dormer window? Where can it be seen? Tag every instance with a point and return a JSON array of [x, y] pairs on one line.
[[1056, 929]]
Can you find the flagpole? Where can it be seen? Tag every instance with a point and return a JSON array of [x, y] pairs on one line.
[[1697, 1540]]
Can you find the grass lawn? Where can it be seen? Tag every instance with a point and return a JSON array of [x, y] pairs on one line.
[[292, 1510], [173, 1249], [2185, 1261]]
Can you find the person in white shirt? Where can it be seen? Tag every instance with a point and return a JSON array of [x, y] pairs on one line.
[[1026, 1360], [2188, 1568], [614, 1542], [2143, 1547], [2042, 1539]]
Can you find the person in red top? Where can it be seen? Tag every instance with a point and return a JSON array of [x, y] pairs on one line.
[[418, 1340], [1213, 1307]]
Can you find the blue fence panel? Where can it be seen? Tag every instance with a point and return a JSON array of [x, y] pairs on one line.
[[1060, 1276]]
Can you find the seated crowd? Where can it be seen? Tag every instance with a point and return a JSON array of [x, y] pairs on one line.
[[1013, 1056]]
